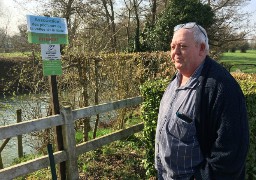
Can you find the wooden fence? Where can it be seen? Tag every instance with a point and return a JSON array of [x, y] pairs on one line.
[[71, 151]]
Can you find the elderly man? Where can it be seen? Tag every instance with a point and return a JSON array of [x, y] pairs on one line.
[[202, 130]]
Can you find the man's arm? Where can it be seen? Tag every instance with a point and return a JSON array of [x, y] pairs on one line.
[[227, 156]]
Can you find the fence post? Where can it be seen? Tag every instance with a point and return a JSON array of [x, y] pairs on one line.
[[19, 137], [69, 142]]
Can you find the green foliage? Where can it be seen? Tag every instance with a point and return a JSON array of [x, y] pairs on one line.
[[100, 132], [158, 36], [118, 160], [151, 92], [248, 85], [79, 136]]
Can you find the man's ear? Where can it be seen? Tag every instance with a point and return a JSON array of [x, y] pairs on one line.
[[202, 49]]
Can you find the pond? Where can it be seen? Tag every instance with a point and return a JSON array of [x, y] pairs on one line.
[[32, 107]]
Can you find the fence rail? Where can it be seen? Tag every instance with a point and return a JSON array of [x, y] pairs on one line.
[[71, 151]]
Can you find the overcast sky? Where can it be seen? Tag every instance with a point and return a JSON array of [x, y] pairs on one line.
[[13, 13]]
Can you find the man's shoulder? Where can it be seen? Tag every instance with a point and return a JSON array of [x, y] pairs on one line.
[[217, 76], [215, 71]]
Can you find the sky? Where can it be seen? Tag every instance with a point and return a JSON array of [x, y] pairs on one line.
[[14, 13], [251, 8]]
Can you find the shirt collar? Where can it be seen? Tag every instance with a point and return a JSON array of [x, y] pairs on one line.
[[192, 80]]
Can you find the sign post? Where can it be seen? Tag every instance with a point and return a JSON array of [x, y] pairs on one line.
[[50, 32]]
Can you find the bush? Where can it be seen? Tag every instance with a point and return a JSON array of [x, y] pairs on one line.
[[249, 88], [152, 92]]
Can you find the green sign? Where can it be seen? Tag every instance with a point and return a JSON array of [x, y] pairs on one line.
[[47, 30], [52, 67], [39, 38]]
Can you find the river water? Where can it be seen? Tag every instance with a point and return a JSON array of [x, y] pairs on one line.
[[31, 106]]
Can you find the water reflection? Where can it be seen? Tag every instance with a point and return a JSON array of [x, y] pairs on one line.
[[32, 107]]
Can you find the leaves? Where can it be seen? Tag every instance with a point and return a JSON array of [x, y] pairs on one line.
[[158, 36], [152, 92]]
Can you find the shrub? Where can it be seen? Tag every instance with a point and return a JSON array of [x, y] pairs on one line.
[[152, 92], [249, 89]]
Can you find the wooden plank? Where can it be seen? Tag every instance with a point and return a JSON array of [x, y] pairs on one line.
[[101, 141], [94, 110], [31, 166], [29, 126]]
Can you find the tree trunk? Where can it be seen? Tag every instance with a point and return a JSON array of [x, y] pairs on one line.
[[111, 22], [137, 31]]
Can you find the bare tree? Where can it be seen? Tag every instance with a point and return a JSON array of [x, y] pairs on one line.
[[134, 16], [5, 24], [110, 16], [127, 17], [156, 7], [229, 25], [133, 9], [136, 4]]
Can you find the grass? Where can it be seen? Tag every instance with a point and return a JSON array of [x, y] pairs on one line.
[[241, 62], [14, 54], [118, 160]]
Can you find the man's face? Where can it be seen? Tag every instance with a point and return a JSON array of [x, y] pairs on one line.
[[185, 52]]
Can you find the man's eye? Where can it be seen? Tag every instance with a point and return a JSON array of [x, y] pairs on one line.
[[183, 46]]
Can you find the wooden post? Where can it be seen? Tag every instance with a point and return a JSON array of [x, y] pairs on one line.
[[1, 149], [56, 110], [1, 162], [70, 144], [20, 147], [96, 100]]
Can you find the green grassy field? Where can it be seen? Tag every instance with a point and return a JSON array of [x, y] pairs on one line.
[[241, 62], [14, 54]]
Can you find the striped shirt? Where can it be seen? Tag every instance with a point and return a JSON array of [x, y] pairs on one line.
[[177, 148]]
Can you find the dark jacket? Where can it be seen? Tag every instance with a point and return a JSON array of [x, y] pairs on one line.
[[222, 124]]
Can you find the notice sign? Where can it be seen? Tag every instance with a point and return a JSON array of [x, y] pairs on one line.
[[50, 51], [51, 59], [47, 30], [52, 67]]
